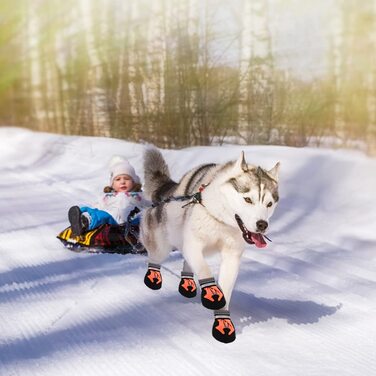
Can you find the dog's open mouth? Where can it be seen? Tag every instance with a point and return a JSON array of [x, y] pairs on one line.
[[250, 237]]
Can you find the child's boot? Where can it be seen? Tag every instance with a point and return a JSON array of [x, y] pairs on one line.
[[78, 221]]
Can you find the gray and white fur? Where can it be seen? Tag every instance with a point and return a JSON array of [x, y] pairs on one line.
[[199, 230]]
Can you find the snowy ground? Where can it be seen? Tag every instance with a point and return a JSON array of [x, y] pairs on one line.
[[305, 305]]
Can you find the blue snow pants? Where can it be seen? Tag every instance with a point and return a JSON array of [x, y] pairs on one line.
[[98, 217]]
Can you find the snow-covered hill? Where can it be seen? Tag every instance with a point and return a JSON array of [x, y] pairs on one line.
[[305, 305]]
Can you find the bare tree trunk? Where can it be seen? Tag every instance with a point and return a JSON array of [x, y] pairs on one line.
[[96, 94], [203, 104], [371, 86], [61, 83], [134, 84], [155, 62], [244, 71], [337, 68], [123, 121], [256, 71], [36, 95], [21, 113], [47, 49]]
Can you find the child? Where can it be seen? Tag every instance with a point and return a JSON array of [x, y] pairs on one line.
[[120, 202]]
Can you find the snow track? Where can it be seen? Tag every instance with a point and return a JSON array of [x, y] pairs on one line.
[[303, 306]]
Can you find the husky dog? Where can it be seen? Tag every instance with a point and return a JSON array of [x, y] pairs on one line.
[[214, 208]]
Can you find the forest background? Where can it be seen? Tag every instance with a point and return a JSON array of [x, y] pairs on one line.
[[180, 73]]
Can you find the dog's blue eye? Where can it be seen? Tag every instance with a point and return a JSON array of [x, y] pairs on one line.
[[269, 204], [247, 199]]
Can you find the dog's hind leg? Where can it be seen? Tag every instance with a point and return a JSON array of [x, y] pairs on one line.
[[153, 276], [187, 285], [212, 296], [155, 242]]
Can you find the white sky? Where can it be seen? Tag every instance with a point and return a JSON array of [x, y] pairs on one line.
[[300, 33]]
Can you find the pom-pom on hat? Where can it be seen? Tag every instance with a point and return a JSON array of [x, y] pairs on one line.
[[120, 166]]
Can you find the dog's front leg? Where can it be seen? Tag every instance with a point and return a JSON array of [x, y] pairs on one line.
[[223, 327], [212, 296], [228, 274]]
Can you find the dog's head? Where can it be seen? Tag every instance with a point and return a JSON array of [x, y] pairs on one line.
[[252, 194]]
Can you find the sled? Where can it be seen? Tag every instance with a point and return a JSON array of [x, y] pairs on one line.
[[121, 239]]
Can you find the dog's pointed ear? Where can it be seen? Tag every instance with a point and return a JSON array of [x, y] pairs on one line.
[[274, 172], [241, 164]]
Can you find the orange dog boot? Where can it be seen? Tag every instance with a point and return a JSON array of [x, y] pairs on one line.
[[153, 277], [223, 328], [187, 285], [211, 295]]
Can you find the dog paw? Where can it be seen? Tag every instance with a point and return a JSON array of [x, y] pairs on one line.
[[187, 286], [211, 295], [153, 278], [223, 327]]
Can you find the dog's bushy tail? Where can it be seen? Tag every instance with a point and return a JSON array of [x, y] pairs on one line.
[[158, 184]]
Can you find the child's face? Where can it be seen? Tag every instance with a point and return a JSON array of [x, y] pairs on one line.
[[123, 183]]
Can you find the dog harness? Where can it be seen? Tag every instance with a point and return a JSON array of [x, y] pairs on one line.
[[194, 199]]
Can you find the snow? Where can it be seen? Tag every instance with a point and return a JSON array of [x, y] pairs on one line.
[[305, 305]]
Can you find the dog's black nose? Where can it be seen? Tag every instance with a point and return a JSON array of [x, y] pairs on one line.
[[261, 225]]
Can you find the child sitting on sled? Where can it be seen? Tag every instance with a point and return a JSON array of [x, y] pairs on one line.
[[119, 204]]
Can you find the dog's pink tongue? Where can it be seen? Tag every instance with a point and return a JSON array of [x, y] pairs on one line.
[[258, 239]]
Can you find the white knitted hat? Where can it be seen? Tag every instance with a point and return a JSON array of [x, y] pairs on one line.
[[120, 166]]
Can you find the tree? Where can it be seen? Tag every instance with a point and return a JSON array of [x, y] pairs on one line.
[[256, 73]]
